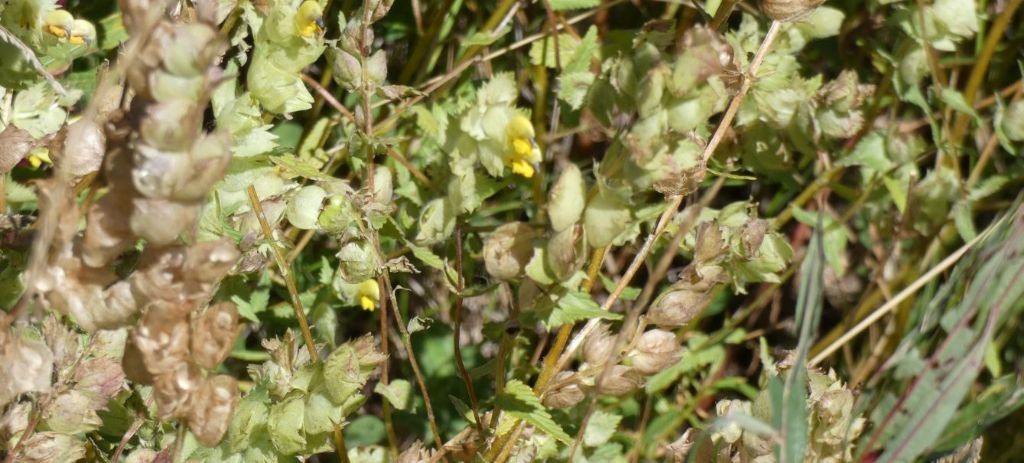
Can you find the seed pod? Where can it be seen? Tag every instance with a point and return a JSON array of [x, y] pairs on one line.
[[359, 261], [786, 10], [752, 235], [566, 394], [437, 222], [620, 380], [655, 351], [162, 339], [508, 250], [84, 147], [567, 198], [213, 334], [173, 389], [710, 243], [679, 304], [566, 251], [14, 146], [383, 186], [377, 67], [212, 407], [209, 261], [605, 218], [599, 346]]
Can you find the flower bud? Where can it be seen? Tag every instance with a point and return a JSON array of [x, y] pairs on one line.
[[599, 346], [348, 73], [679, 304], [211, 409], [620, 380], [508, 250], [567, 392], [567, 198], [565, 251], [655, 351], [213, 334], [605, 218], [785, 10]]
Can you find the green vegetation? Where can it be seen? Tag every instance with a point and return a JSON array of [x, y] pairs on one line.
[[511, 231]]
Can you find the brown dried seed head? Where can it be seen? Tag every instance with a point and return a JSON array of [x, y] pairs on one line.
[[620, 380], [213, 334], [209, 261], [785, 10], [656, 350], [162, 339], [173, 389], [599, 346], [710, 242], [213, 404], [678, 305], [508, 250], [567, 392]]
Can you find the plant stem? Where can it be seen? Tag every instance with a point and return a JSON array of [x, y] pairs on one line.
[[457, 332], [282, 265]]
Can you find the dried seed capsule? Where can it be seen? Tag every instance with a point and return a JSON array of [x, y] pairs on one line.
[[566, 251], [567, 392], [785, 10], [620, 380], [173, 389], [656, 350], [679, 304], [212, 407], [599, 346], [508, 250], [213, 334]]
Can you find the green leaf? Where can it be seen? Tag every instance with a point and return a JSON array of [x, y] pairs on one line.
[[963, 218], [898, 190], [575, 306], [518, 401], [955, 100], [560, 5], [542, 52], [792, 419], [600, 428], [397, 392], [483, 38], [257, 303], [586, 51], [688, 362], [869, 152], [364, 430]]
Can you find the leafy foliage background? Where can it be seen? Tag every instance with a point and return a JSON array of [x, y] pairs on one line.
[[555, 230]]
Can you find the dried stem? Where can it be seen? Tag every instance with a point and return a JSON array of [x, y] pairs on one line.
[[457, 334]]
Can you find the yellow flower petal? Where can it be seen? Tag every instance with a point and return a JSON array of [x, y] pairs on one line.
[[522, 148], [522, 168], [367, 303]]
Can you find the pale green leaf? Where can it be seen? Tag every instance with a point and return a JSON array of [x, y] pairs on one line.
[[600, 428], [559, 5], [285, 422], [575, 306], [519, 401], [397, 391]]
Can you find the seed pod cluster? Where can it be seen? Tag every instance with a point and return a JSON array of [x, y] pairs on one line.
[[159, 167]]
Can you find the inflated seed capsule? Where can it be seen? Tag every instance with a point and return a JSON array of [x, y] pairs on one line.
[[785, 10], [508, 250], [605, 217], [567, 199], [655, 351]]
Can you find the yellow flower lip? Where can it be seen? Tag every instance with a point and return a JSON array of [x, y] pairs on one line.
[[309, 19], [368, 294]]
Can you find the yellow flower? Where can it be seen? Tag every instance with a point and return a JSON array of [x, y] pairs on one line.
[[58, 23], [39, 156], [309, 19], [82, 33], [525, 156], [368, 294]]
